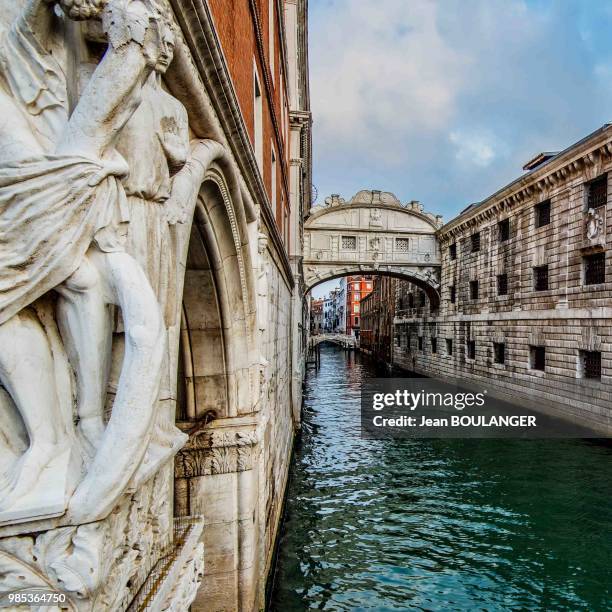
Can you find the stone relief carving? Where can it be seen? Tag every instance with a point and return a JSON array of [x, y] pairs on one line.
[[187, 583], [367, 196], [77, 560], [375, 217], [265, 370], [334, 200], [82, 197], [594, 225], [216, 452]]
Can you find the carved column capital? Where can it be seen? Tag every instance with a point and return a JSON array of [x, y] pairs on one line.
[[217, 451]]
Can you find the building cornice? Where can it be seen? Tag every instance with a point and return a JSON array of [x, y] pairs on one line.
[[548, 314]]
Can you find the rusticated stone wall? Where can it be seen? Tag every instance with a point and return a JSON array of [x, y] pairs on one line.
[[571, 317]]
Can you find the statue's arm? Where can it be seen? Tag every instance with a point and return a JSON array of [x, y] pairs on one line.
[[187, 182], [108, 101], [114, 90]]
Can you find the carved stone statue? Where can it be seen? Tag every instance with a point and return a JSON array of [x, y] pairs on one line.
[[159, 127], [63, 225]]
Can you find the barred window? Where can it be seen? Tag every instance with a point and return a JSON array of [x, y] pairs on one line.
[[449, 346], [474, 290], [452, 291], [594, 268], [475, 242], [470, 347], [542, 213], [452, 251], [503, 229], [349, 243], [420, 343], [591, 364], [499, 352], [502, 284], [434, 344], [540, 278], [411, 300], [597, 192], [402, 244], [537, 358]]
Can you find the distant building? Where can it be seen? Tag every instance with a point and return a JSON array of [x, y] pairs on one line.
[[377, 317], [341, 307], [331, 320], [525, 290], [358, 287], [316, 316]]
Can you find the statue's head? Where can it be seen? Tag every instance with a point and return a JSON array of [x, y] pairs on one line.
[[167, 36], [159, 51], [80, 10], [167, 48]]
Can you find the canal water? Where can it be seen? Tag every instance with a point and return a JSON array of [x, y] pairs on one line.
[[437, 524]]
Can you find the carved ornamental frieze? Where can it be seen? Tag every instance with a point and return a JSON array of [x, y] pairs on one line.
[[216, 452]]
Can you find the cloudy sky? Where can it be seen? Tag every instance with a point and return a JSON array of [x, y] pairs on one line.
[[443, 101]]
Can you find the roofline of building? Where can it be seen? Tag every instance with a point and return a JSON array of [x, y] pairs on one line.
[[544, 170]]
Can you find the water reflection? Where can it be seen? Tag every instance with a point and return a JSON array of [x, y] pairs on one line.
[[437, 524]]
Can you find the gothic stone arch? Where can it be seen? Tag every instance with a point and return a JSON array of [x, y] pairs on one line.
[[217, 318], [217, 385]]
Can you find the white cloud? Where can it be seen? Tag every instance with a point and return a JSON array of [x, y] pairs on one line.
[[477, 149], [381, 72]]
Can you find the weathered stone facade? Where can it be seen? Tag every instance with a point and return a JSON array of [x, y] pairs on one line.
[[525, 290]]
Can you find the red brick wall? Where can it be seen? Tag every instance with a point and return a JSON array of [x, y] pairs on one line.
[[352, 299], [236, 30]]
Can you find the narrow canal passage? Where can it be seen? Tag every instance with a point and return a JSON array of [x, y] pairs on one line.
[[437, 524]]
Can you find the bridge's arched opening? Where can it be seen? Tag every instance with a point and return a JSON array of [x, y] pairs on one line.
[[348, 314], [426, 281]]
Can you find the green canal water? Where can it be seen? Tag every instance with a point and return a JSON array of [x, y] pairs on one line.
[[437, 524]]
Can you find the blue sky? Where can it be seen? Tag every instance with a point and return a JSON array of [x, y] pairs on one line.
[[443, 101]]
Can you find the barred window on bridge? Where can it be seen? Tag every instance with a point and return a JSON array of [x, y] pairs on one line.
[[349, 243], [402, 244]]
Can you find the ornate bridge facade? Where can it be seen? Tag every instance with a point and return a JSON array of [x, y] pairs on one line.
[[342, 340], [372, 233]]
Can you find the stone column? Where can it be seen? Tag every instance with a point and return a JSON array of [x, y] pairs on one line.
[[219, 465]]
